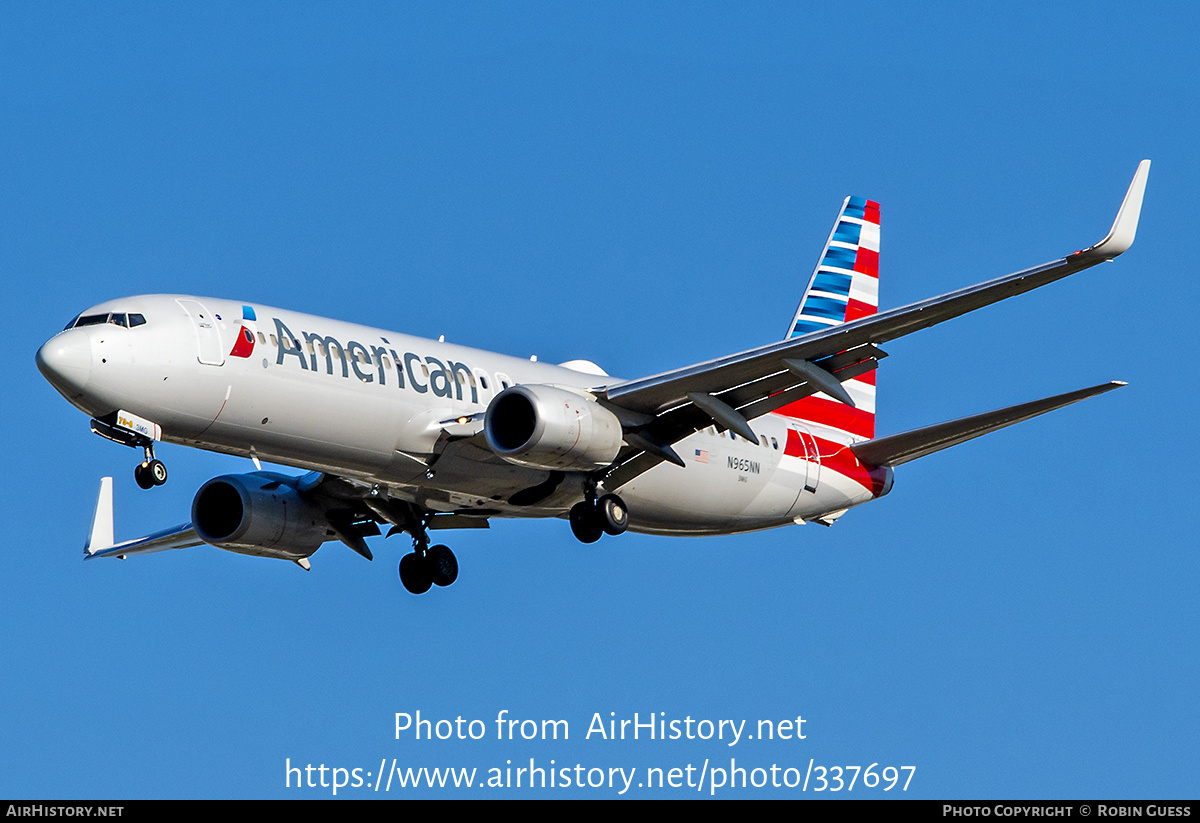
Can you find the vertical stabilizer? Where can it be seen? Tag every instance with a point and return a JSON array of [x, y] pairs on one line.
[[845, 284], [844, 287]]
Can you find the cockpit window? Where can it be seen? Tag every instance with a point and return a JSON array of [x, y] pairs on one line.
[[117, 319]]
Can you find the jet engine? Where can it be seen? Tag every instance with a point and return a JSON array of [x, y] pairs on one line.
[[260, 514], [545, 427]]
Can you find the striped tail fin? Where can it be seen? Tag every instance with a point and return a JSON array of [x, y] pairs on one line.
[[844, 287], [845, 284]]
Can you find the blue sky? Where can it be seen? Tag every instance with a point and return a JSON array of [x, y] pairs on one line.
[[645, 186]]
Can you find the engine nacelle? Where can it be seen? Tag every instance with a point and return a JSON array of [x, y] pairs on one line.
[[546, 427], [259, 514]]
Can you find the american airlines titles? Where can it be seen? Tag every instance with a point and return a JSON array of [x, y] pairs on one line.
[[445, 379]]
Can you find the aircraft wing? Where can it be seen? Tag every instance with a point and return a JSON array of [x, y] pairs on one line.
[[757, 381], [350, 509], [100, 539]]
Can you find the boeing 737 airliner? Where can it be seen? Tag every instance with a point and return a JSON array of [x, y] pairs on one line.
[[422, 435]]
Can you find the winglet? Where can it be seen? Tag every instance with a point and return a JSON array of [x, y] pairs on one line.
[[1124, 228], [101, 535]]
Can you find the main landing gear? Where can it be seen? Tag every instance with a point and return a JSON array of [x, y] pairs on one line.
[[593, 518], [427, 565], [151, 471]]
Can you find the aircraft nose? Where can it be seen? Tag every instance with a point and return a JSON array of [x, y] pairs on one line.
[[66, 361]]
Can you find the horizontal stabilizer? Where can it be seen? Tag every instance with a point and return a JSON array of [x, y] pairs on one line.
[[901, 448]]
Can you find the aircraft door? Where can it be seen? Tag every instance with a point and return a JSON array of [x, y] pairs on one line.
[[800, 443], [208, 339]]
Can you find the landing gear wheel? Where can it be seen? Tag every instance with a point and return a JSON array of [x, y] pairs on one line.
[[585, 523], [415, 573], [157, 472], [443, 565], [613, 515], [150, 474]]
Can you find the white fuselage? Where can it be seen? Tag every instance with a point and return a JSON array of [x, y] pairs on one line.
[[375, 406]]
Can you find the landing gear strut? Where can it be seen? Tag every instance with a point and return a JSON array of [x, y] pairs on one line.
[[594, 518], [427, 565]]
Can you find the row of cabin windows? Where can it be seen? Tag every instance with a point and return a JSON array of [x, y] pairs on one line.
[[762, 437]]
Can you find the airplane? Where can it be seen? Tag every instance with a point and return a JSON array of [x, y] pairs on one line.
[[423, 435]]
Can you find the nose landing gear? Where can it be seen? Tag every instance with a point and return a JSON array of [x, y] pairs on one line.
[[130, 430], [151, 471]]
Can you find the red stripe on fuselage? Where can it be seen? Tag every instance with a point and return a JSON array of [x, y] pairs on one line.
[[838, 457], [794, 447]]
